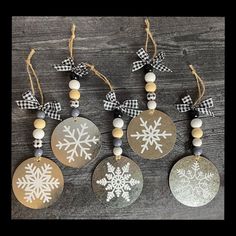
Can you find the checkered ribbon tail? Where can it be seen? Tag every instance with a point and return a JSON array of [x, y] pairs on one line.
[[128, 107], [202, 107], [31, 102], [145, 59], [69, 65]]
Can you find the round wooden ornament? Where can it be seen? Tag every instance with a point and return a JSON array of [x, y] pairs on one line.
[[117, 182], [37, 182], [151, 134], [76, 141], [194, 181]]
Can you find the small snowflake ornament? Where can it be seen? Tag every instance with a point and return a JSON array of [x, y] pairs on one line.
[[37, 184], [75, 142], [152, 135], [117, 183], [194, 180]]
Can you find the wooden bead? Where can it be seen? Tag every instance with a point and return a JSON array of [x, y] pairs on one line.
[[197, 133], [196, 123], [150, 77], [117, 133], [38, 133], [151, 105], [74, 94], [197, 142], [118, 123], [39, 123], [117, 151], [150, 87], [74, 84]]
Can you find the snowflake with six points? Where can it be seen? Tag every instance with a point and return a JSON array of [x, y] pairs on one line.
[[80, 142], [195, 181], [37, 183], [151, 135], [118, 182]]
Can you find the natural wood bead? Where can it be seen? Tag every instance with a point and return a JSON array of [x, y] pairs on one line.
[[196, 123], [38, 133], [117, 133], [197, 133], [150, 87], [39, 123], [74, 94], [150, 77]]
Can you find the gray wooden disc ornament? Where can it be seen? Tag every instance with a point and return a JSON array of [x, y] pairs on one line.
[[117, 182], [194, 181], [76, 141]]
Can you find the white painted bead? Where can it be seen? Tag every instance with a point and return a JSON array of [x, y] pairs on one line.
[[117, 151], [151, 105], [197, 142], [150, 77], [38, 133], [196, 123], [118, 123], [74, 84]]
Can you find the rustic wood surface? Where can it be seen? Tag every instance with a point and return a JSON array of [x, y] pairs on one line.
[[110, 43]]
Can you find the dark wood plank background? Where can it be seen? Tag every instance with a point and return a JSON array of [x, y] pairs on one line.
[[110, 43]]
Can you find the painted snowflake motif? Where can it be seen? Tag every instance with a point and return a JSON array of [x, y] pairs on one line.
[[194, 181], [151, 135], [37, 183], [118, 182], [77, 143]]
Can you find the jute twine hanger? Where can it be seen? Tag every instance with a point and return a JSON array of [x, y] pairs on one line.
[[90, 66], [30, 68], [100, 75], [200, 85], [71, 40], [150, 36]]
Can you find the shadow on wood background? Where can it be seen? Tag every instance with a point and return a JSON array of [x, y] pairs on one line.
[[110, 43]]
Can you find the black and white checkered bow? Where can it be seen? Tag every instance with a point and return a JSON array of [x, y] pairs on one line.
[[127, 107], [202, 107], [69, 65], [145, 59], [31, 102]]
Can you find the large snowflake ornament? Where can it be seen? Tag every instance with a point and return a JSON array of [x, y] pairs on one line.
[[194, 181], [151, 135], [38, 182], [77, 140], [118, 182]]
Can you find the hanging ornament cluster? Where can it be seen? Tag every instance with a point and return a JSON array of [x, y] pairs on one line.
[[194, 180], [117, 181], [75, 141], [151, 134], [38, 182]]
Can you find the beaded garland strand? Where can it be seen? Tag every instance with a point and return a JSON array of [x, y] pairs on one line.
[[151, 134], [194, 180], [37, 182], [117, 181], [76, 141]]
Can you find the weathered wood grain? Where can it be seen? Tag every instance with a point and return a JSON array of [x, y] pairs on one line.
[[110, 43]]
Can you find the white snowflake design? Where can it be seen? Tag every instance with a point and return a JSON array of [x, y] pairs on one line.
[[80, 142], [118, 182], [151, 135], [38, 183], [194, 181]]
